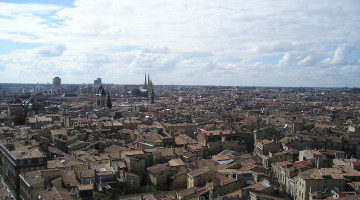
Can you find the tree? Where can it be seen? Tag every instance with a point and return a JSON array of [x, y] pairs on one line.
[[108, 103], [150, 189]]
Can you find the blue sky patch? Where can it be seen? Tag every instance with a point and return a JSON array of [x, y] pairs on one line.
[[65, 3], [354, 57], [127, 48], [230, 60], [8, 46], [269, 59]]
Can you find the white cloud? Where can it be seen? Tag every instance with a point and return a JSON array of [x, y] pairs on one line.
[[285, 60], [306, 61], [51, 51], [178, 40], [339, 56]]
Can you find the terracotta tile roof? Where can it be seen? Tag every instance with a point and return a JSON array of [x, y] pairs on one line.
[[121, 164], [66, 161], [55, 194], [85, 187], [158, 168], [168, 152], [323, 173], [115, 149], [184, 139], [266, 196], [356, 164], [190, 191], [33, 177], [102, 156], [227, 181], [195, 147], [26, 152], [114, 155], [131, 153], [54, 164], [89, 173], [149, 197], [283, 164], [236, 194], [257, 186], [176, 162], [233, 165], [265, 141], [221, 157], [349, 171], [101, 167], [304, 162], [68, 177], [216, 132], [198, 172]]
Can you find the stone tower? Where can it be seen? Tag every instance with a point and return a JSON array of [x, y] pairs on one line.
[[100, 97], [150, 91]]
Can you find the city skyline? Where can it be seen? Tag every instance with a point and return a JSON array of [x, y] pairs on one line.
[[240, 43]]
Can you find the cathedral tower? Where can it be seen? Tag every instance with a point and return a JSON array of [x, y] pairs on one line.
[[145, 85], [100, 97]]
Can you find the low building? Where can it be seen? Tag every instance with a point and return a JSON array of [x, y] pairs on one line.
[[313, 180], [198, 177], [264, 147], [19, 157], [158, 175]]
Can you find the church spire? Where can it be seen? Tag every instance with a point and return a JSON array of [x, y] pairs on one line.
[[108, 102], [145, 80]]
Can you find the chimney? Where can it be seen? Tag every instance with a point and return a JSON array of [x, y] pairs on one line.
[[317, 162], [67, 185], [11, 147]]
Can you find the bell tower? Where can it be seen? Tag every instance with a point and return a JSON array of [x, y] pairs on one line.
[[100, 97]]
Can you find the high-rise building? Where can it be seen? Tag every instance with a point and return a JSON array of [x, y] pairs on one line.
[[97, 81], [3, 92], [56, 85]]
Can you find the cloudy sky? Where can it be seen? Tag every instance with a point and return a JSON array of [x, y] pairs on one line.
[[200, 42]]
